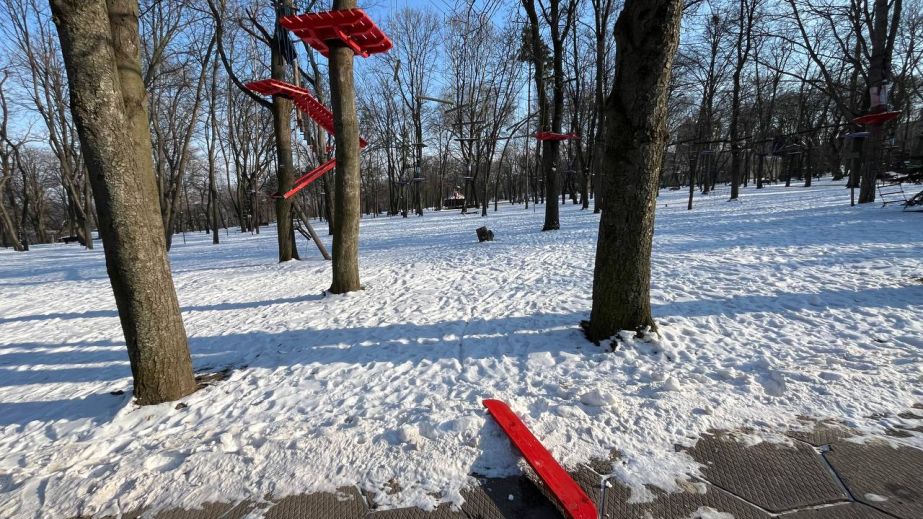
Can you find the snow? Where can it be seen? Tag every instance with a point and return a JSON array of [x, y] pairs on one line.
[[707, 512], [787, 303]]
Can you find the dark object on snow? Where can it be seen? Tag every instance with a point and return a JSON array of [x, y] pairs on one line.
[[72, 239], [484, 234]]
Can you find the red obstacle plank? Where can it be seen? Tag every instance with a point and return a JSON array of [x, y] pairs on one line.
[[875, 119], [351, 26], [572, 499], [551, 136], [309, 177], [303, 99]]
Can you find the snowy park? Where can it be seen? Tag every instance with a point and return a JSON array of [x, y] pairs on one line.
[[461, 259], [785, 305]]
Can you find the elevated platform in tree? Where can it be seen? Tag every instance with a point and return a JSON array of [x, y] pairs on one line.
[[876, 118], [353, 27], [308, 178], [551, 136], [303, 99]]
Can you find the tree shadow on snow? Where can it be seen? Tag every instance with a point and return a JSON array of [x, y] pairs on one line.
[[100, 407], [893, 297], [239, 305]]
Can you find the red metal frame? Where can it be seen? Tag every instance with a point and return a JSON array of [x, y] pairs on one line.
[[303, 99], [876, 119], [551, 136], [353, 27], [572, 499]]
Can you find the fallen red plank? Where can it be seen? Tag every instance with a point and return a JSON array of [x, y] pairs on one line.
[[572, 499]]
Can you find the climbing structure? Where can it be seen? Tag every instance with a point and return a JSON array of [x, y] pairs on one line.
[[352, 27], [551, 136], [875, 118]]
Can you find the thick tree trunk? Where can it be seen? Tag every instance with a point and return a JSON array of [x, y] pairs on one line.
[[285, 172], [347, 202], [9, 230], [122, 176], [646, 35]]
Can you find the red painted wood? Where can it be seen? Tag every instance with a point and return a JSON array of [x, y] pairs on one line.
[[351, 26], [572, 498], [875, 119], [309, 177], [551, 136], [303, 99]]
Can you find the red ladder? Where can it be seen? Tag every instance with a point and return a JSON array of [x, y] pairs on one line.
[[313, 109]]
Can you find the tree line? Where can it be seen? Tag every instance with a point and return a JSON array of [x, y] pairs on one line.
[[762, 91]]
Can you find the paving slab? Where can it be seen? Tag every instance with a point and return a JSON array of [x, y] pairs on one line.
[[823, 433], [346, 503], [698, 497], [512, 497], [881, 476], [615, 503], [442, 512], [841, 511], [776, 477], [206, 511]]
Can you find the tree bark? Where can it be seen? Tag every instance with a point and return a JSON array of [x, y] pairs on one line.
[[121, 172], [285, 174], [646, 37], [347, 201], [9, 230]]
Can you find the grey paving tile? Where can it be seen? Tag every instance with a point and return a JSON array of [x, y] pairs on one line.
[[442, 512], [822, 434], [206, 511], [881, 476], [840, 511], [346, 503], [512, 497], [773, 476], [700, 497]]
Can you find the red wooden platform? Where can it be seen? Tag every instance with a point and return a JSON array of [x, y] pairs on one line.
[[551, 136], [875, 119], [353, 27], [572, 499]]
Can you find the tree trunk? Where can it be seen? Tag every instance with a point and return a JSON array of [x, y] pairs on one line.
[[646, 35], [121, 171], [346, 204], [285, 173], [9, 231]]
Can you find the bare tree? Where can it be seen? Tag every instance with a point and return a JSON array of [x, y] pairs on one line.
[[559, 17], [101, 55], [8, 150], [646, 37], [347, 203]]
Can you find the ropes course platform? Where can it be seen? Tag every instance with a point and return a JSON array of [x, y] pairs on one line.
[[353, 27]]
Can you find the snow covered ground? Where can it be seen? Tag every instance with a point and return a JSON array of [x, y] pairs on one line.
[[787, 303]]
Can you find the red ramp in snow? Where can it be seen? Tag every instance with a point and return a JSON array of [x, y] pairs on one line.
[[572, 499]]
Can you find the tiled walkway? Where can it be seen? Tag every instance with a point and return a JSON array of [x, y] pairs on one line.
[[819, 474]]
